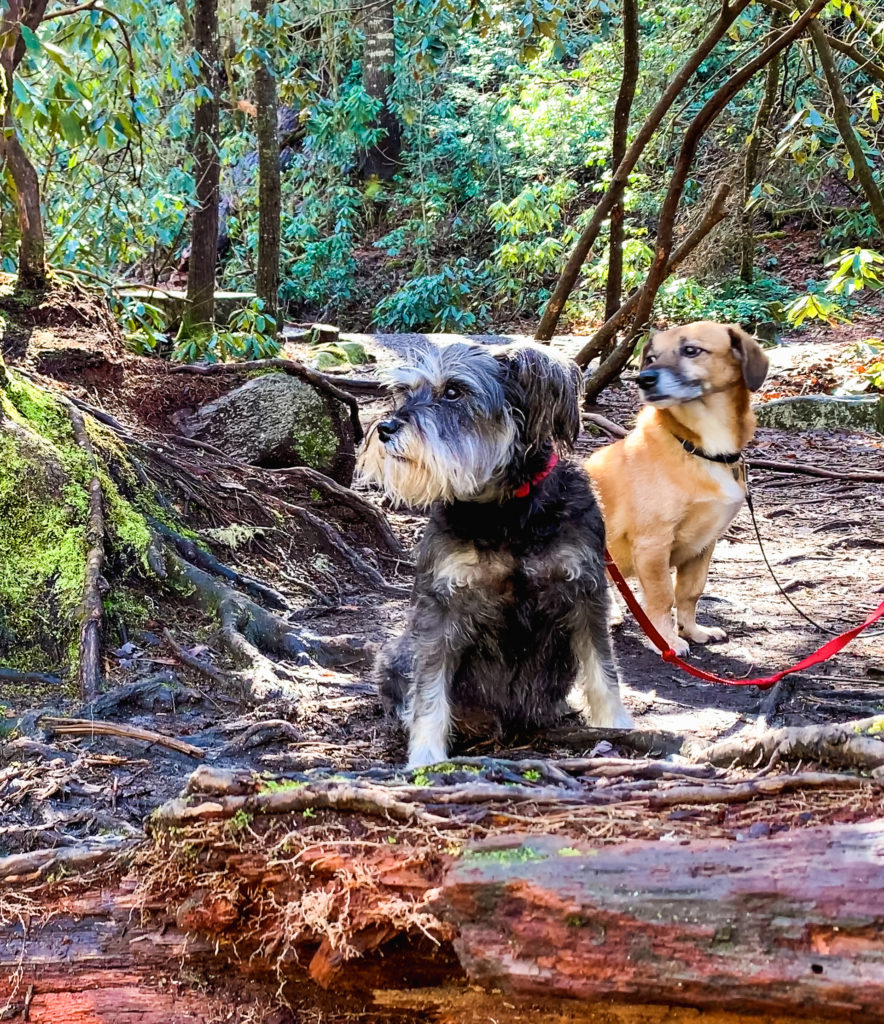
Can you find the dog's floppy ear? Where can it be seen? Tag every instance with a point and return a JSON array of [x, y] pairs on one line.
[[544, 390], [751, 355]]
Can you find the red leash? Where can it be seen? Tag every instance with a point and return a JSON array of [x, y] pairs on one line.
[[825, 652]]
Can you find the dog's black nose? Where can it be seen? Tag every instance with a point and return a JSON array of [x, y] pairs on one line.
[[387, 428], [647, 379]]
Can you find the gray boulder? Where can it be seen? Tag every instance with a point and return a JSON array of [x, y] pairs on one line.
[[823, 412], [275, 421]]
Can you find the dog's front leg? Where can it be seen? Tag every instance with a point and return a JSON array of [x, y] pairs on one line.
[[690, 582], [429, 716], [651, 561], [596, 691], [439, 642]]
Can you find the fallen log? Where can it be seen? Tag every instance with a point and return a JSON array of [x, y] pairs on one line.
[[794, 923], [211, 920]]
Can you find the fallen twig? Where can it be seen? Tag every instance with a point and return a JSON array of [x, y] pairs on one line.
[[805, 470], [91, 727]]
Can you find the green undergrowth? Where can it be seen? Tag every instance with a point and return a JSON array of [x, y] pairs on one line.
[[44, 507]]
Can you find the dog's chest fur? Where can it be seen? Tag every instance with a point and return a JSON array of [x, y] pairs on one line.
[[718, 493], [510, 574]]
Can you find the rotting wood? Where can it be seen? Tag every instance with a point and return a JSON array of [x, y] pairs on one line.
[[791, 923]]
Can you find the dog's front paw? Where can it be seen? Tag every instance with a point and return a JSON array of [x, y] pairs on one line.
[[704, 635], [680, 646], [425, 754]]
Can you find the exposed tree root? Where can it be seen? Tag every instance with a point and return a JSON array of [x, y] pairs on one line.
[[348, 498], [354, 560], [192, 661], [91, 609], [858, 744], [30, 867], [12, 675], [318, 380], [213, 803], [740, 792], [203, 559], [274, 730], [163, 688], [248, 630], [641, 741]]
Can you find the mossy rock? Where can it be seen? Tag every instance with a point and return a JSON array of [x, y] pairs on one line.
[[276, 420]]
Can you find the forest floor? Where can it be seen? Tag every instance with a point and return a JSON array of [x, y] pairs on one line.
[[824, 538]]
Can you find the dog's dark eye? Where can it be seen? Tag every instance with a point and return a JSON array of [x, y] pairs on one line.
[[649, 358], [452, 392], [691, 351]]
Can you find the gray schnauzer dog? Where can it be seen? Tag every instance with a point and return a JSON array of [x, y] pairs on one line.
[[509, 610]]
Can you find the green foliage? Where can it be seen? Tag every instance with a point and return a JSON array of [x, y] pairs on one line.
[[251, 334], [143, 325], [435, 302], [855, 269], [506, 114], [732, 301]]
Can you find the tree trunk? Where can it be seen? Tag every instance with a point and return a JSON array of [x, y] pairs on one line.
[[31, 257], [613, 366], [207, 170], [32, 246], [785, 924], [760, 128], [614, 290], [726, 17], [382, 159], [841, 115], [269, 183]]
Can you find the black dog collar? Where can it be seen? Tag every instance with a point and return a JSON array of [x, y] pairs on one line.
[[692, 449]]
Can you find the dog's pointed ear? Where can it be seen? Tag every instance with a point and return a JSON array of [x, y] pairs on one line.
[[751, 355], [545, 390]]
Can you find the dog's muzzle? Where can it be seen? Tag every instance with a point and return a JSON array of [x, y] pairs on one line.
[[387, 428], [660, 384]]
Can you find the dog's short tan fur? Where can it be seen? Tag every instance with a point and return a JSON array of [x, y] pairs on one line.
[[664, 508]]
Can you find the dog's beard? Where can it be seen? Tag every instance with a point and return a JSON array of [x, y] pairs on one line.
[[418, 467]]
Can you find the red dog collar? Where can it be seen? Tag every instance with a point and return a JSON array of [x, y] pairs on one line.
[[525, 489]]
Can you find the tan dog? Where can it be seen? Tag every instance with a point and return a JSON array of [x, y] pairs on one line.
[[670, 489]]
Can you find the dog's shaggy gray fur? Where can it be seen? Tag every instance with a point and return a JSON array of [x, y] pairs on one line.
[[509, 610]]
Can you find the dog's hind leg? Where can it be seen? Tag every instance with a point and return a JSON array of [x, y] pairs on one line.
[[690, 582], [596, 692], [394, 672]]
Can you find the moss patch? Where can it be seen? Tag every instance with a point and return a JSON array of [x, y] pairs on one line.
[[44, 506]]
